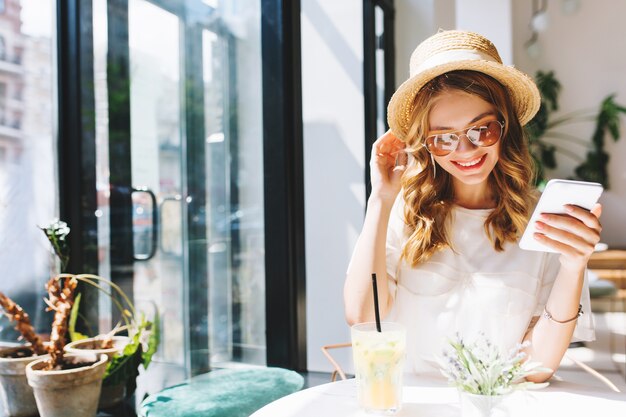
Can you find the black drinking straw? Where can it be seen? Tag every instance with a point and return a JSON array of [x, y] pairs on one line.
[[376, 312]]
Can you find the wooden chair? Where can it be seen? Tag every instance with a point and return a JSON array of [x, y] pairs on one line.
[[337, 369], [594, 373]]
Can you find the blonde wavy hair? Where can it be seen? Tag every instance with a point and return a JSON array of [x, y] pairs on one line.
[[428, 198]]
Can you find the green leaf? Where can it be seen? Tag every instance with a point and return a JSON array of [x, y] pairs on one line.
[[609, 116], [614, 130], [74, 335], [124, 368], [549, 88], [153, 341], [594, 168], [548, 157], [607, 119]]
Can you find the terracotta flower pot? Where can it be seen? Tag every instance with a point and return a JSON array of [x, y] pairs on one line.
[[16, 394], [70, 392], [111, 394], [88, 346]]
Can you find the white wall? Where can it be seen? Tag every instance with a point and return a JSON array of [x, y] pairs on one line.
[[491, 18], [415, 21], [334, 163], [587, 51]]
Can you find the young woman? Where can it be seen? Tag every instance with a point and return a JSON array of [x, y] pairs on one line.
[[451, 195]]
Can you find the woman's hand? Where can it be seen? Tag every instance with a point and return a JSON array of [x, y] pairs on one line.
[[574, 235], [387, 163]]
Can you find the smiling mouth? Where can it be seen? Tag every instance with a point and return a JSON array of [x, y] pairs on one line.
[[472, 164]]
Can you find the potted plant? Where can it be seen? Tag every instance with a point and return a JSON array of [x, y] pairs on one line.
[[16, 394], [125, 353], [116, 379], [543, 132], [485, 377], [65, 385]]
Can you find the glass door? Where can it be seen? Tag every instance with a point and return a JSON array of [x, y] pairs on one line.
[[157, 172], [180, 176]]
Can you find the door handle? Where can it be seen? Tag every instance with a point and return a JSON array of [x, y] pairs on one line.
[[149, 254], [171, 229]]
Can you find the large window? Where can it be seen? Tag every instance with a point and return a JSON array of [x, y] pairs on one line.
[[160, 170], [28, 196], [179, 172]]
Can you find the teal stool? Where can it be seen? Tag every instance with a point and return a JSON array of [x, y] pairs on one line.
[[223, 393]]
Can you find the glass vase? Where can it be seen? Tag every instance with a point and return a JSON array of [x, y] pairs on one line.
[[476, 405]]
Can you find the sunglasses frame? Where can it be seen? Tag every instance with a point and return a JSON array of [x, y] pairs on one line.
[[466, 131]]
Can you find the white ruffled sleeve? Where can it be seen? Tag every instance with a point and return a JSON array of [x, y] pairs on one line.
[[585, 326]]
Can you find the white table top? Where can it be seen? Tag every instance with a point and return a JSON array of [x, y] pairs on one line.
[[426, 396]]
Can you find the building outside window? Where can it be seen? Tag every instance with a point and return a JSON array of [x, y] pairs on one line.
[[28, 195]]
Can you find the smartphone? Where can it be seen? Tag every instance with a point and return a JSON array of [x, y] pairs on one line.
[[557, 194]]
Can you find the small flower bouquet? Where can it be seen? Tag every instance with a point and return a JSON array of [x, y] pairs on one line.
[[480, 368], [57, 232]]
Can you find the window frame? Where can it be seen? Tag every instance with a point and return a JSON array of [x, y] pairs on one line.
[[370, 45], [285, 263]]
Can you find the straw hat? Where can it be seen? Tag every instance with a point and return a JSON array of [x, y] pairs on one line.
[[459, 50]]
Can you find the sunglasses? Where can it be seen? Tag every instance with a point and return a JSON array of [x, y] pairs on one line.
[[443, 144]]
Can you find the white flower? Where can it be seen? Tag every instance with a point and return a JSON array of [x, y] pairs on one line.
[[479, 367]]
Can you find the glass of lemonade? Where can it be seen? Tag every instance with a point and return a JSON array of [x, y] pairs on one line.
[[378, 365]]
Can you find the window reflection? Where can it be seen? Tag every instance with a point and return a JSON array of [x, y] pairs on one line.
[[234, 150]]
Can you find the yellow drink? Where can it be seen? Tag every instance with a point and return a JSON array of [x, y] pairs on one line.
[[378, 364]]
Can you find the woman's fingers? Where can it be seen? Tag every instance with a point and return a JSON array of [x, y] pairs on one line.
[[560, 247], [387, 165], [597, 210], [388, 151], [570, 224], [576, 219], [573, 234], [582, 244], [388, 144], [589, 218]]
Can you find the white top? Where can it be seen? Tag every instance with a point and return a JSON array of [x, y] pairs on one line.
[[473, 290]]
